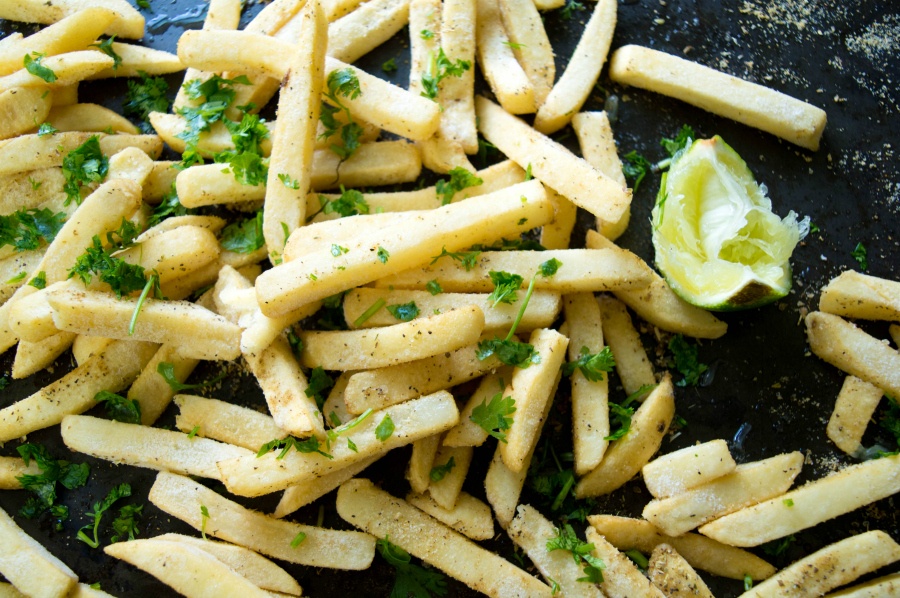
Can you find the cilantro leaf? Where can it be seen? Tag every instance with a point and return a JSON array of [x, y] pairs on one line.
[[27, 229], [319, 384], [635, 167], [439, 68], [106, 47], [495, 416], [244, 236], [167, 371], [383, 254], [549, 268], [411, 580], [686, 361], [341, 83], [83, 165], [860, 254], [592, 365], [620, 413], [119, 408], [33, 66], [434, 287], [469, 259], [506, 287], [404, 311], [385, 429], [571, 7], [246, 161], [680, 141], [126, 523], [439, 472], [145, 95], [510, 352], [43, 485], [44, 130], [118, 492], [288, 182], [122, 277], [566, 539], [460, 179], [169, 207], [350, 203], [389, 66], [307, 445]]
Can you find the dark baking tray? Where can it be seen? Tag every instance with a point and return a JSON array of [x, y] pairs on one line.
[[764, 383]]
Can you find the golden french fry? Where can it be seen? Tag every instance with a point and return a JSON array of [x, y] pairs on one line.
[[68, 68], [13, 467], [750, 483], [30, 566], [632, 364], [844, 345], [621, 577], [360, 503], [470, 516], [595, 137], [882, 587], [128, 22], [364, 29], [531, 531], [139, 59], [692, 466], [183, 498], [558, 234], [856, 295], [818, 501], [551, 163], [89, 117], [628, 455], [30, 152], [225, 422], [719, 93], [467, 432], [421, 460], [674, 576], [658, 304], [445, 491], [295, 497], [530, 44], [152, 392], [576, 82], [498, 63], [457, 94], [831, 567], [854, 407], [21, 108], [701, 552]]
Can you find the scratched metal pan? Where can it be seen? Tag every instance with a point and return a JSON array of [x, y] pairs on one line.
[[764, 392]]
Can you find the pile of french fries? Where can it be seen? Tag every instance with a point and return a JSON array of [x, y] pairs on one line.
[[399, 376]]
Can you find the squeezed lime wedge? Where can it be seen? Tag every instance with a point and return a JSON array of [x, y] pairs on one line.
[[717, 242]]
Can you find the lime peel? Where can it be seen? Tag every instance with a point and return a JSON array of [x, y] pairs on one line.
[[717, 242]]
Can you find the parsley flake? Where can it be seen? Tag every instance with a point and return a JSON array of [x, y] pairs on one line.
[[506, 287], [106, 47], [686, 361], [84, 165], [495, 416], [460, 179], [581, 551], [33, 66], [592, 365], [118, 492], [439, 68], [860, 254], [119, 408], [385, 429], [404, 311], [411, 580], [439, 472], [145, 95], [244, 236]]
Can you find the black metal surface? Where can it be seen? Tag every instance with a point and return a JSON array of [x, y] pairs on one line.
[[839, 56]]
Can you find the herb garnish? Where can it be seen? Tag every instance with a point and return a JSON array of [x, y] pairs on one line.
[[106, 47], [244, 236], [119, 408], [307, 445], [319, 383], [494, 417], [686, 361], [404, 311], [592, 365], [43, 485], [33, 66], [581, 551], [341, 83], [385, 429], [468, 259], [439, 472], [460, 179], [411, 579], [506, 287], [146, 95], [83, 165], [120, 491], [29, 229], [860, 254], [439, 68], [167, 371]]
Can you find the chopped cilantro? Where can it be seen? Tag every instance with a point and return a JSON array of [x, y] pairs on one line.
[[350, 203], [43, 485], [469, 259], [120, 491], [122, 277], [193, 433], [288, 182], [592, 365], [145, 95], [319, 384], [106, 47], [204, 517], [439, 472], [635, 167], [581, 551], [411, 580], [30, 229], [638, 558], [860, 254], [246, 161], [126, 523], [298, 540], [404, 311], [245, 236], [621, 413], [119, 408], [383, 254], [495, 416], [46, 129], [385, 429], [426, 34], [434, 287], [506, 287], [686, 361], [169, 207], [571, 7], [308, 445], [371, 311], [748, 583], [680, 141], [389, 66], [83, 165], [549, 268], [341, 83], [33, 66], [513, 46], [439, 68], [338, 250], [460, 179], [217, 95], [167, 371]]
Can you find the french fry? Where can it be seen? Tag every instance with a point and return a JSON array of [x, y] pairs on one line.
[[257, 569], [576, 82], [856, 295], [393, 345], [590, 399], [225, 422], [882, 587], [831, 567], [152, 392], [412, 420], [719, 93], [531, 531], [595, 138], [627, 455], [198, 332], [470, 516], [128, 23], [421, 460], [373, 23], [21, 107], [139, 59], [360, 503], [621, 577], [12, 268], [701, 552], [457, 93], [445, 491], [692, 466], [582, 270], [558, 234], [467, 432], [498, 63], [295, 497], [30, 152], [532, 389], [290, 165], [632, 363], [112, 370], [404, 245], [143, 446], [159, 181], [70, 34], [17, 192], [183, 498], [68, 68], [29, 566], [749, 484], [13, 467], [84, 347], [674, 576], [551, 163], [33, 357], [854, 407], [88, 117], [818, 501], [529, 42], [659, 305], [845, 346]]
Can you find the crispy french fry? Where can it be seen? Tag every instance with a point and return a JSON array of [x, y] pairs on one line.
[[551, 163], [360, 503], [21, 107], [467, 432], [576, 82], [225, 422], [112, 370], [719, 93], [290, 165], [68, 68], [84, 347], [831, 567], [470, 516], [412, 420], [658, 304], [529, 42], [373, 23], [30, 152], [692, 466], [558, 234], [421, 460], [143, 446], [621, 577], [457, 93], [89, 117], [295, 497], [13, 467], [882, 587], [844, 345], [750, 483], [674, 576], [856, 295], [139, 59], [854, 407], [445, 491], [183, 498], [531, 531], [152, 392], [595, 137], [30, 566], [627, 455], [259, 570], [128, 22], [404, 245], [503, 72], [818, 501], [701, 552]]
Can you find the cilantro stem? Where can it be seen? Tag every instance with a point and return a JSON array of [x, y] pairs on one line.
[[521, 313], [369, 312], [137, 309]]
